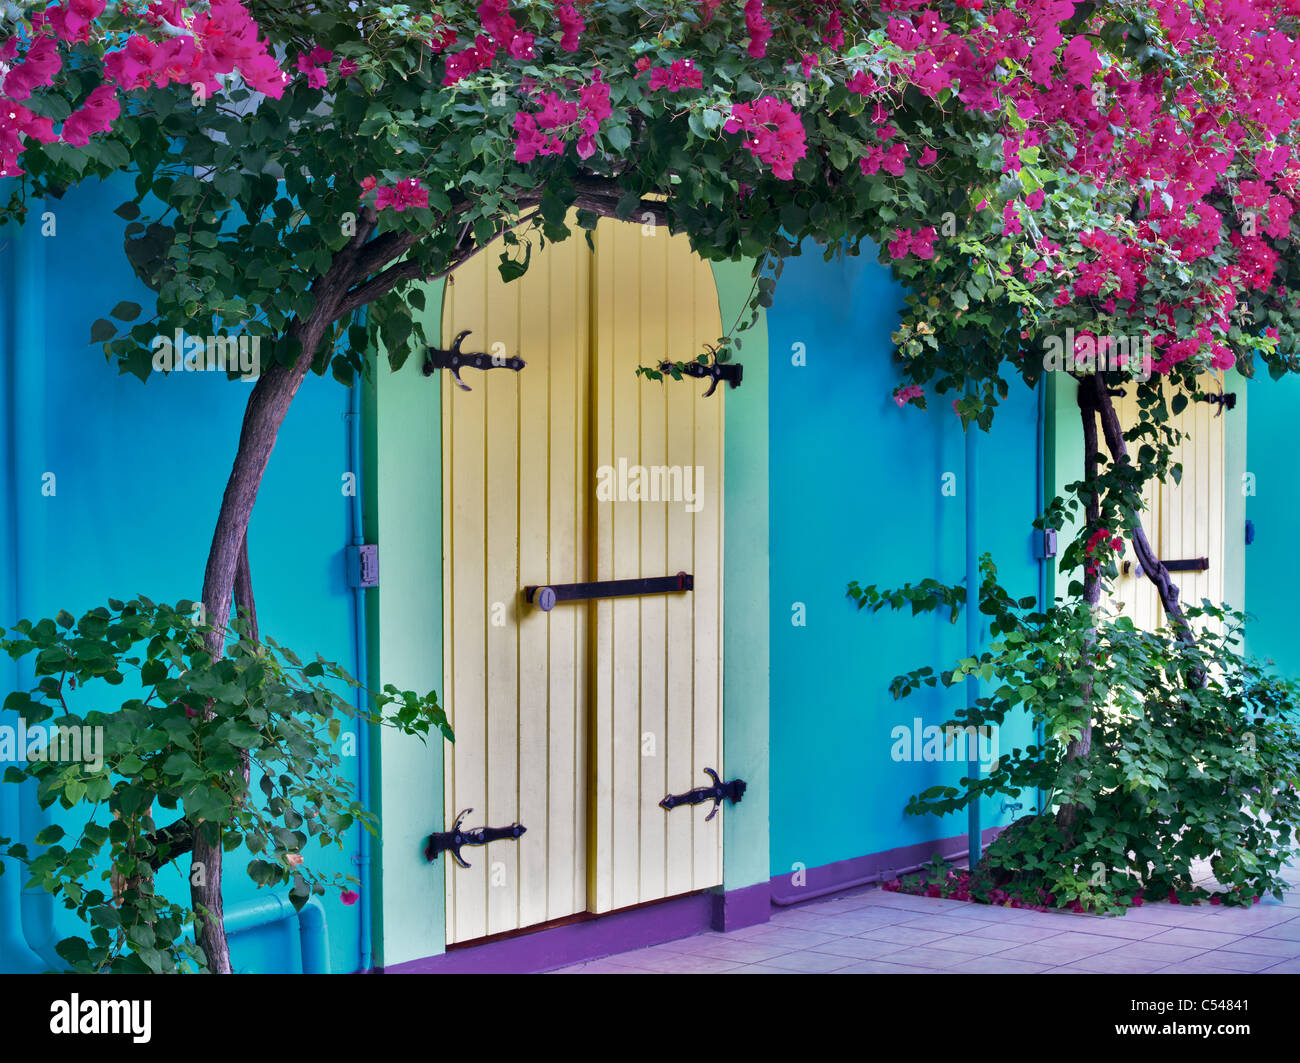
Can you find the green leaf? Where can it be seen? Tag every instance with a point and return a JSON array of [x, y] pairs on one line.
[[49, 835], [619, 138]]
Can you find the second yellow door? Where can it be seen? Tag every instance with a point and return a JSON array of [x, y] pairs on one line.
[[1184, 520]]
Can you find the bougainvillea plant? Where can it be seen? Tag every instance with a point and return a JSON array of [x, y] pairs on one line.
[[1176, 774], [1033, 170], [245, 743]]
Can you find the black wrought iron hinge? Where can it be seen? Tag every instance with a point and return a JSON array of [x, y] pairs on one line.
[[453, 840], [1224, 400], [732, 791], [454, 360]]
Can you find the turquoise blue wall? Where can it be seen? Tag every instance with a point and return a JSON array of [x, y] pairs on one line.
[[1275, 509], [140, 471], [856, 493]]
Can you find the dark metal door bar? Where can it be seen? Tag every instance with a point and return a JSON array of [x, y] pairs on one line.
[[456, 360], [545, 598], [1189, 564]]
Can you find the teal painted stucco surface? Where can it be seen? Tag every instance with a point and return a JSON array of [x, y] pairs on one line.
[[139, 472], [1272, 503], [746, 662], [857, 492]]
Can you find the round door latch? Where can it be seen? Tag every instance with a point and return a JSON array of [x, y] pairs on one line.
[[545, 599]]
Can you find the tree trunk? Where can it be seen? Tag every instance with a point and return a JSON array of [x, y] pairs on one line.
[[1152, 566], [267, 407]]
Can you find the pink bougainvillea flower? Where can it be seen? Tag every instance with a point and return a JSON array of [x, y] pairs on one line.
[[37, 70], [347, 68], [862, 83], [349, 897], [571, 25], [905, 395], [919, 242], [532, 131], [443, 35], [368, 184], [131, 67], [682, 74], [892, 162], [71, 20], [96, 115], [833, 38], [530, 141], [1080, 61], [928, 156], [316, 75], [402, 196], [479, 56], [760, 31], [774, 133], [870, 162]]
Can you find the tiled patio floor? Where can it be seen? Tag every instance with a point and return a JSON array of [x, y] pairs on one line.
[[871, 931]]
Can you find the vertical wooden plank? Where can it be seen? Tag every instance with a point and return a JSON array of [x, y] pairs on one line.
[[466, 617], [706, 862], [516, 479], [533, 343], [502, 447], [568, 479], [681, 772], [656, 301], [650, 252], [601, 705], [627, 309]]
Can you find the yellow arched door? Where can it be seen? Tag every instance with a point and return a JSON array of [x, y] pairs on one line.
[[576, 722], [1184, 521]]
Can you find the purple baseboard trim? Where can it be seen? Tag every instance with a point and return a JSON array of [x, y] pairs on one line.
[[844, 873], [743, 907], [679, 917], [547, 950]]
